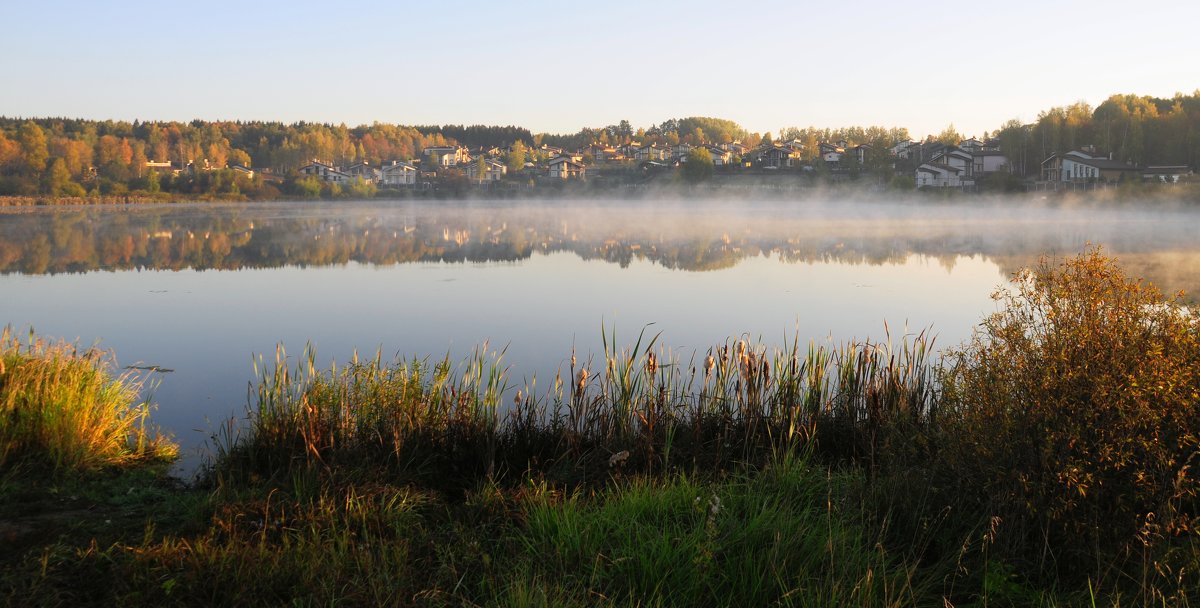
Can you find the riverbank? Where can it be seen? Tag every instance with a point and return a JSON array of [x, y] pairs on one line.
[[730, 188], [1015, 471]]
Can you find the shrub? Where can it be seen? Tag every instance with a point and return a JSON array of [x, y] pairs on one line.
[[1075, 413]]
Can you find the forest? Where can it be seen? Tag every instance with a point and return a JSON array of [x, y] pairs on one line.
[[75, 157]]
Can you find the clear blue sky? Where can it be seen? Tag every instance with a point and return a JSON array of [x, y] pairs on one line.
[[559, 66]]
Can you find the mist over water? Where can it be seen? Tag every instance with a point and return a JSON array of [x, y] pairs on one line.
[[200, 289]]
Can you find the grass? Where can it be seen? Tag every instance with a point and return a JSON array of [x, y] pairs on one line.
[[63, 411], [643, 411], [1047, 462]]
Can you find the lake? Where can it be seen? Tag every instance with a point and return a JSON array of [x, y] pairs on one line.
[[201, 289]]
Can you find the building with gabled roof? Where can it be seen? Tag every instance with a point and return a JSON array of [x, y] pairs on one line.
[[398, 174], [563, 167]]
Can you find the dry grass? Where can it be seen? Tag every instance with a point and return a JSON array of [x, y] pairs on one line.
[[63, 410]]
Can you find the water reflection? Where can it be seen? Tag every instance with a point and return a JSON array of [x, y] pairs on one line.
[[536, 279], [1160, 246]]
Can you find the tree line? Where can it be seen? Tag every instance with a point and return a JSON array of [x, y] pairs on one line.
[[1140, 130], [75, 157]]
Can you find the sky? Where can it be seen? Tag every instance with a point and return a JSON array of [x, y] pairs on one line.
[[557, 67]]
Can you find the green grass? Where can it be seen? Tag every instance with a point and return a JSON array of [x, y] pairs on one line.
[[63, 410], [782, 536], [641, 410], [779, 537], [1048, 462]]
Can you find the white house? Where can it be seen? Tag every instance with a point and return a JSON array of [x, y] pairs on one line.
[[988, 161], [939, 175], [651, 152], [398, 174], [445, 156], [493, 171], [1085, 166], [831, 153], [565, 168], [720, 156], [955, 157], [326, 172]]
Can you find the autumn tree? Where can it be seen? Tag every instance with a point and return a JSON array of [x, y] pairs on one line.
[[33, 147], [949, 136], [516, 157]]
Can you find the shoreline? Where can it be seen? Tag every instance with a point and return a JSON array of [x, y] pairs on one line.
[[1187, 194]]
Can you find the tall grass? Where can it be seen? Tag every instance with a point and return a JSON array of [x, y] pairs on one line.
[[645, 409], [414, 417], [62, 409]]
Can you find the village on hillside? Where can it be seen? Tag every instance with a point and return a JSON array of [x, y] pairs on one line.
[[929, 165]]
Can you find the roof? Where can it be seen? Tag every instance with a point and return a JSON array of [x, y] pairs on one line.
[[564, 159], [939, 167], [1105, 164]]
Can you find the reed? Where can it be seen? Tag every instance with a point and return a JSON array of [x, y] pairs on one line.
[[645, 409], [409, 416], [63, 410]]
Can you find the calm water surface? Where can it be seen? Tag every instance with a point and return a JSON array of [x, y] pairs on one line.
[[201, 289]]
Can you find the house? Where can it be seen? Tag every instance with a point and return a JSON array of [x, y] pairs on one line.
[[445, 156], [988, 161], [720, 156], [953, 156], [902, 149], [602, 153], [796, 145], [651, 152], [776, 156], [493, 171], [830, 153], [1165, 174], [860, 152], [364, 171], [398, 174], [325, 172], [243, 170], [971, 145], [1084, 166], [681, 150], [565, 168], [940, 175], [630, 149]]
